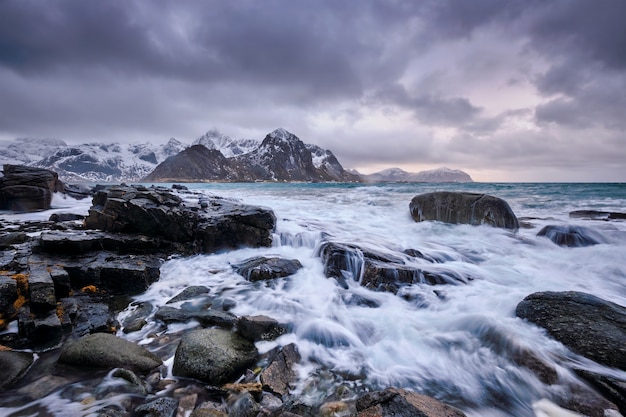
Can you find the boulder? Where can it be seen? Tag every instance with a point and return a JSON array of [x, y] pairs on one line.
[[611, 387], [157, 212], [463, 208], [402, 403], [25, 188], [161, 407], [588, 325], [571, 236], [214, 356], [103, 350], [258, 328], [206, 317], [262, 268], [189, 293], [278, 376], [377, 270], [14, 365]]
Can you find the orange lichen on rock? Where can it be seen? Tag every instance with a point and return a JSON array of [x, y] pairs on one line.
[[91, 289], [2, 347]]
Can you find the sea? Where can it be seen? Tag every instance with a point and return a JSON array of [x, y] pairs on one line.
[[452, 342]]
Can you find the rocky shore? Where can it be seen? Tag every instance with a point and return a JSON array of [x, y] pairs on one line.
[[64, 281]]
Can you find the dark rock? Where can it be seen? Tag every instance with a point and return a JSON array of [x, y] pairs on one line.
[[213, 356], [194, 291], [137, 319], [258, 328], [262, 268], [14, 366], [161, 407], [77, 191], [597, 215], [244, 406], [543, 371], [402, 403], [612, 388], [102, 350], [42, 296], [571, 236], [159, 213], [585, 401], [83, 314], [206, 318], [42, 330], [65, 217], [8, 296], [278, 376], [25, 188], [117, 274], [463, 208], [588, 325], [10, 239], [61, 280], [376, 270]]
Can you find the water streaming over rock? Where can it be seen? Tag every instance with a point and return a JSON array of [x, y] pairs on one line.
[[458, 343]]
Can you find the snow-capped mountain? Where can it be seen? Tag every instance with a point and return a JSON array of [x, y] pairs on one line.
[[214, 139], [28, 150], [433, 175], [281, 156], [93, 162]]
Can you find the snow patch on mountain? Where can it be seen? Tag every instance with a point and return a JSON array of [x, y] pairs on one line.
[[214, 139]]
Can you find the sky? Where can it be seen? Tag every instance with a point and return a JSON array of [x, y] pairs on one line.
[[517, 90]]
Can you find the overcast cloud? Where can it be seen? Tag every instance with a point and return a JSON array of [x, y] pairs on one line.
[[505, 90]]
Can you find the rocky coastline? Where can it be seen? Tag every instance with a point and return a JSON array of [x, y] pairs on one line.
[[65, 280]]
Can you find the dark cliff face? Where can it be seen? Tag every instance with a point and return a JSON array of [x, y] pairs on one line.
[[282, 156], [196, 163]]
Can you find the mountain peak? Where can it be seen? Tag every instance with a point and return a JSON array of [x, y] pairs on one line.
[[281, 134]]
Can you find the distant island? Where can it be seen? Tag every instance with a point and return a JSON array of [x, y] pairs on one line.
[[280, 156], [433, 175]]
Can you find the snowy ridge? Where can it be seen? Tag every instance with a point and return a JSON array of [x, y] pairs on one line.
[[214, 139], [434, 175]]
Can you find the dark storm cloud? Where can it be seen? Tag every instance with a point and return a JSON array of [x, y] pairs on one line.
[[124, 67]]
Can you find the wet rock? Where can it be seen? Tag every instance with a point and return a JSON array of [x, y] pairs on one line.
[[376, 270], [258, 328], [262, 268], [207, 412], [139, 387], [137, 319], [65, 217], [402, 403], [189, 293], [10, 239], [14, 366], [588, 325], [102, 350], [161, 407], [278, 376], [586, 402], [206, 318], [42, 296], [463, 208], [335, 409], [571, 236], [612, 388], [25, 188], [42, 330], [597, 215], [244, 406], [116, 274], [543, 371], [157, 212], [86, 241], [8, 296], [213, 356], [84, 314]]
